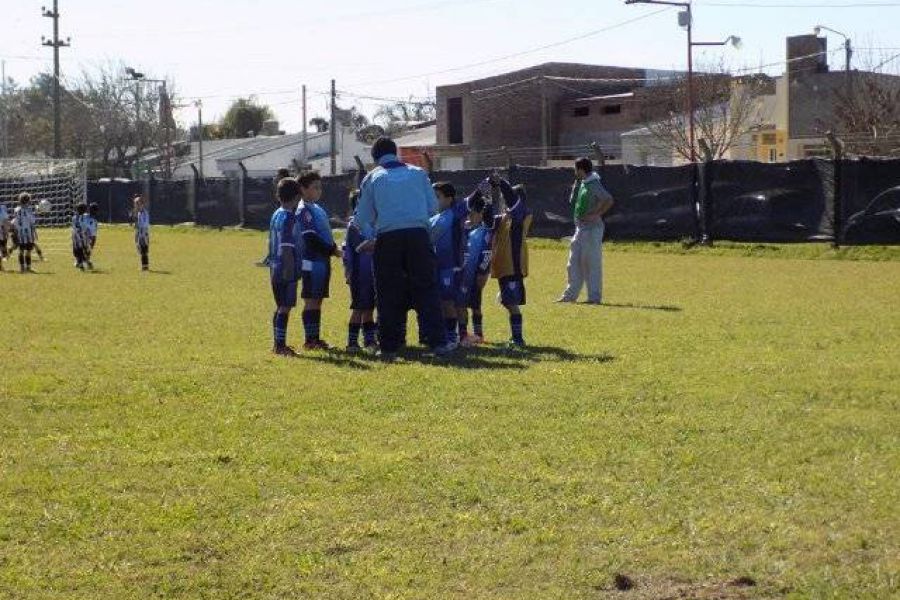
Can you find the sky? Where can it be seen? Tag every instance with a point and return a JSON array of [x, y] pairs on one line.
[[217, 50]]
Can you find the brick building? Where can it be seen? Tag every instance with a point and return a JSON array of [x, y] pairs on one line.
[[538, 114]]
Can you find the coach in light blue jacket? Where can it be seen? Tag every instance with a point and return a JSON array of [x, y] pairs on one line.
[[395, 204]]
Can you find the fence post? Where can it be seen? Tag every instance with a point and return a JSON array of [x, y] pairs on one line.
[[837, 202], [242, 199], [195, 191]]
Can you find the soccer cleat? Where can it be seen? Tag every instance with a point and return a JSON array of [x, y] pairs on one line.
[[444, 349], [515, 345], [284, 351], [90, 265], [469, 341], [386, 356], [316, 345], [354, 349], [565, 300], [371, 349]]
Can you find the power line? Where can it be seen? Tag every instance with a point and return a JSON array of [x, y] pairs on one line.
[[517, 54], [780, 5]]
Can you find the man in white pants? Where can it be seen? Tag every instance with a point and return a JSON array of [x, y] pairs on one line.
[[590, 201]]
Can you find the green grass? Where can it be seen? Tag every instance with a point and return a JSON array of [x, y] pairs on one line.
[[723, 416]]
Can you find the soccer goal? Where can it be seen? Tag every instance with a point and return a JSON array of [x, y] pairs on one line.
[[55, 185]]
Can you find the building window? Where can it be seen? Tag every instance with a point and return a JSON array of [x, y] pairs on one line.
[[582, 111], [612, 109], [454, 120], [773, 155]]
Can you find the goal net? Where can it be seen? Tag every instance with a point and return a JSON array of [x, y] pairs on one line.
[[55, 185]]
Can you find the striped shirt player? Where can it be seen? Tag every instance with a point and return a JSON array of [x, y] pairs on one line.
[[509, 259], [25, 231], [4, 233], [81, 242], [142, 232], [359, 273]]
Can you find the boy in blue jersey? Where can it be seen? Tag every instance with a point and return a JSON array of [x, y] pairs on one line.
[[359, 274], [284, 261], [476, 269], [448, 239], [81, 241], [318, 248]]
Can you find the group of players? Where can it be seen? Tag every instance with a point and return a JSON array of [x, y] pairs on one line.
[[472, 242], [21, 230]]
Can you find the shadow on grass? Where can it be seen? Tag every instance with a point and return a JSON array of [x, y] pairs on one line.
[[486, 357], [159, 272], [635, 306]]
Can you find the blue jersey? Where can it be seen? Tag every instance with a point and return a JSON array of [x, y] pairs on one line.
[[477, 260], [448, 235], [283, 239], [315, 231], [358, 266]]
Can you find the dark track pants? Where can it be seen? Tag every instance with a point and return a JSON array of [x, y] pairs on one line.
[[405, 268]]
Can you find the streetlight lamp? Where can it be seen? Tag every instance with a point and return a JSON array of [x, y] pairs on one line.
[[848, 49], [137, 77], [686, 20]]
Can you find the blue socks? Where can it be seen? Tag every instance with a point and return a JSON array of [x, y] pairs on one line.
[[515, 324], [353, 335], [478, 324], [370, 333], [312, 321], [279, 329]]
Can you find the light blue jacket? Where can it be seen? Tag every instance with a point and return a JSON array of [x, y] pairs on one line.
[[395, 196]]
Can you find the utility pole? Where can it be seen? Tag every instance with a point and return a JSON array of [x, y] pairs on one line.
[[56, 44], [199, 105], [545, 138], [304, 154], [333, 131], [4, 132]]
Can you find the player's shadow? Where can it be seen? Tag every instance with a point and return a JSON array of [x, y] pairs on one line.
[[636, 306], [336, 358], [159, 272]]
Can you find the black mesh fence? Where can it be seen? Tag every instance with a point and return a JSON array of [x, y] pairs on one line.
[[870, 201], [785, 202], [731, 200]]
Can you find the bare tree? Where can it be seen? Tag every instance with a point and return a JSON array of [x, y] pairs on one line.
[[725, 109], [396, 117], [866, 114]]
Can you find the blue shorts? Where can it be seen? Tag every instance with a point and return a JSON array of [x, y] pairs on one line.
[[512, 291], [285, 292], [316, 279], [450, 286]]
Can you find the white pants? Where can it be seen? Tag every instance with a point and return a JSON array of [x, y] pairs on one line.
[[586, 263]]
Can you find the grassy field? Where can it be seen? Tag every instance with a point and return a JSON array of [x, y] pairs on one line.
[[724, 416]]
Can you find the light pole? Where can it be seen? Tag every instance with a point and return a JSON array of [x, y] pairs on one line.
[[137, 77], [199, 104], [848, 49], [686, 20]]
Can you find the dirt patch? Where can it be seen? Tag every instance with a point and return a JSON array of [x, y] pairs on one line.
[[631, 587]]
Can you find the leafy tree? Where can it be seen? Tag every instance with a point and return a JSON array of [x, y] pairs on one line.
[[245, 117], [319, 123]]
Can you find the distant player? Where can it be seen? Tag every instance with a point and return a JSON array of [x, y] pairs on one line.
[[509, 260], [448, 238], [4, 234], [476, 268], [142, 231], [359, 274], [284, 260], [318, 248], [92, 226], [25, 227], [81, 241]]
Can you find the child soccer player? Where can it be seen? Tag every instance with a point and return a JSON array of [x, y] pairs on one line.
[[4, 234], [91, 227], [284, 260], [142, 232], [509, 260], [81, 242], [476, 269], [448, 237], [360, 276], [318, 248], [25, 225]]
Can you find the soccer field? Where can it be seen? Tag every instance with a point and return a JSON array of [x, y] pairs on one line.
[[725, 416]]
